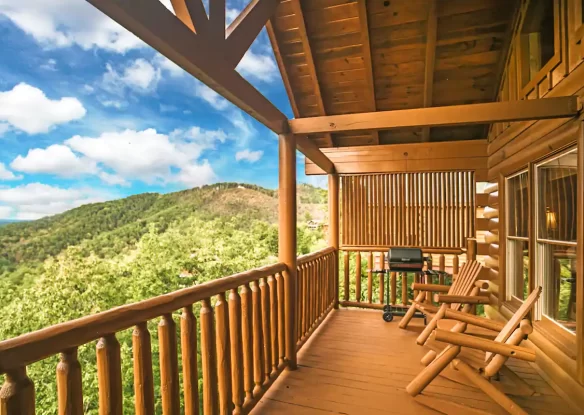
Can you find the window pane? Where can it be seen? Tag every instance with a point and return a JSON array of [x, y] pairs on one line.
[[537, 38], [517, 269], [557, 183], [558, 267], [518, 209]]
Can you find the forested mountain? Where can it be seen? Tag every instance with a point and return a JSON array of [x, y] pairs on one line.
[[109, 228]]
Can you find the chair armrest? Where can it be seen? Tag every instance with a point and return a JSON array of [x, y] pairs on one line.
[[478, 321], [485, 345], [461, 299], [437, 288]]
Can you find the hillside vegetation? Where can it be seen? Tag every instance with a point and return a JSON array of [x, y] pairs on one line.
[[99, 256]]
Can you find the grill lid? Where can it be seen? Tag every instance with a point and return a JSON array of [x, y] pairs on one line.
[[405, 259]]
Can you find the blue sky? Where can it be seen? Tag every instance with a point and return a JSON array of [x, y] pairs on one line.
[[89, 113]]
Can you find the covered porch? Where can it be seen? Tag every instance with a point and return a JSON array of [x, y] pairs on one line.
[[355, 363]]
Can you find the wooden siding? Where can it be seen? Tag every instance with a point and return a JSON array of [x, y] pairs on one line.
[[408, 209]]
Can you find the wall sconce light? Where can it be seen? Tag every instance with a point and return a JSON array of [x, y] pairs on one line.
[[550, 220]]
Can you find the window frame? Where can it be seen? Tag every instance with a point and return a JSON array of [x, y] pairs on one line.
[[510, 297], [575, 32], [553, 70], [547, 323]]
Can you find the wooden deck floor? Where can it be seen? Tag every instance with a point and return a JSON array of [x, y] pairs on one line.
[[355, 364]]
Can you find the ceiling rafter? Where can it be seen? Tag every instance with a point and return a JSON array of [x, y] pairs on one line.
[[246, 27], [431, 37], [525, 110], [297, 8], [192, 13], [217, 20], [365, 42], [203, 57]]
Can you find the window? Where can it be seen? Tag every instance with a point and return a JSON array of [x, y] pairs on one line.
[[556, 199], [537, 39], [517, 236]]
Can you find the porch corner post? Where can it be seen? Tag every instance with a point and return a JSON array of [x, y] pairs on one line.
[[287, 238], [333, 237]]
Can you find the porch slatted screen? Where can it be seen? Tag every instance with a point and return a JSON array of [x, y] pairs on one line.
[[408, 209]]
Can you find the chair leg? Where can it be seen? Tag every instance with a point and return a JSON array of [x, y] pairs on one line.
[[423, 337], [490, 389], [411, 311], [429, 373]]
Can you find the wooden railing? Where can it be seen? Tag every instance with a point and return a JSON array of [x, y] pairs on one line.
[[365, 289], [317, 282], [241, 329]]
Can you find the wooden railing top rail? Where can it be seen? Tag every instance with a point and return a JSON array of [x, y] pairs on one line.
[[362, 248], [32, 347], [314, 255]]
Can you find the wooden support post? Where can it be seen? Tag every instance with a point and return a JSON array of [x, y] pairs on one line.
[[168, 352], [333, 203], [109, 375], [287, 238], [188, 341], [143, 378]]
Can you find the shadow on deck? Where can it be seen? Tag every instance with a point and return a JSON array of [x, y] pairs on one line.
[[355, 363]]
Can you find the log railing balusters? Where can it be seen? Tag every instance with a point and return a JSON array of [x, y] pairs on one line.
[[265, 307], [370, 278], [404, 278], [442, 268], [109, 375], [168, 350], [393, 288], [208, 359], [235, 337], [358, 277], [281, 321], [247, 341], [143, 378], [69, 386], [258, 342], [346, 272], [272, 284], [223, 355], [17, 394], [188, 341]]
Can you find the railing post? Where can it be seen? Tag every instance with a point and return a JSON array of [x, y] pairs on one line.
[[17, 394], [471, 249], [287, 238], [333, 237]]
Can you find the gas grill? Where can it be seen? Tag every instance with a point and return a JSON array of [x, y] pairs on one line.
[[406, 260]]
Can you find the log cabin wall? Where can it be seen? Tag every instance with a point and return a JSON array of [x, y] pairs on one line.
[[544, 60]]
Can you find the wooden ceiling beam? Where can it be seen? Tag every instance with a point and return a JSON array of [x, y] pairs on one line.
[[366, 44], [217, 20], [297, 8], [192, 13], [314, 154], [247, 26], [431, 35], [533, 109]]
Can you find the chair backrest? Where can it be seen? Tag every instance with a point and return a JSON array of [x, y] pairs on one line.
[[465, 281], [515, 320]]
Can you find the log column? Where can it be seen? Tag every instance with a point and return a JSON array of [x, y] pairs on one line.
[[333, 237], [287, 238]]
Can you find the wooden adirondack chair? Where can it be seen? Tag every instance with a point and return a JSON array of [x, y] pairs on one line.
[[479, 371], [462, 293]]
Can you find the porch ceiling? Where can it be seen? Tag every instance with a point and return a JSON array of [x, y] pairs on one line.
[[353, 56]]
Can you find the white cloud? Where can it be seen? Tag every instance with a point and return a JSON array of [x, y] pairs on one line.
[[113, 179], [63, 23], [28, 109], [139, 76], [148, 155], [258, 66], [196, 175], [50, 65], [247, 155], [56, 159], [6, 174], [211, 97], [5, 212], [169, 66], [36, 200]]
